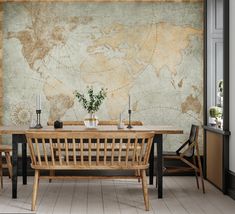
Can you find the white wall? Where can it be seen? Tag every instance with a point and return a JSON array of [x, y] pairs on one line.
[[232, 87]]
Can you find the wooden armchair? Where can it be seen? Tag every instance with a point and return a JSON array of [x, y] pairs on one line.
[[90, 151], [186, 153], [6, 149]]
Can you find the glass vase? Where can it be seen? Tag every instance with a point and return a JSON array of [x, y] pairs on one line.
[[91, 120]]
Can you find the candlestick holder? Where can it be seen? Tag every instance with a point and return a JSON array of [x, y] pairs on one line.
[[38, 126], [129, 124]]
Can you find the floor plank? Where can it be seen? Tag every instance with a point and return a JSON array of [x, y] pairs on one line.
[[189, 205], [64, 199], [95, 198], [110, 200], [80, 198], [125, 201], [222, 203], [115, 197]]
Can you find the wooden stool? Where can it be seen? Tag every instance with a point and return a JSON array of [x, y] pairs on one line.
[[6, 149]]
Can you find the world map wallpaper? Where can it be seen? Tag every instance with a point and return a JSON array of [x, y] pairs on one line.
[[150, 51]]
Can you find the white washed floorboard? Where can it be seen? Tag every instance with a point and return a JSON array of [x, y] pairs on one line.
[[186, 202], [126, 204], [64, 199], [196, 195], [80, 196], [171, 201], [95, 198], [135, 192], [223, 203], [115, 197], [111, 204], [17, 206], [47, 203], [158, 205], [4, 195], [25, 195]]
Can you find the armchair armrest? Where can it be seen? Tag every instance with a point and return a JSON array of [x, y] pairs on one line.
[[181, 147]]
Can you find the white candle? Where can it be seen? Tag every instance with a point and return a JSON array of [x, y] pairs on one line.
[[120, 118], [129, 102], [38, 102]]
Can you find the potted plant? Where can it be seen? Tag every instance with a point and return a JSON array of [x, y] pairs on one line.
[[220, 93], [91, 102], [215, 113], [221, 88]]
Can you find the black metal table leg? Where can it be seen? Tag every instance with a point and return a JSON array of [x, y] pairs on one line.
[[14, 164], [159, 165], [151, 164], [24, 160]]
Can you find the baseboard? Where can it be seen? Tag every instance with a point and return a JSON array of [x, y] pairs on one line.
[[167, 163], [231, 184]]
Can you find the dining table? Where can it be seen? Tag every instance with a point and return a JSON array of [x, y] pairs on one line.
[[19, 137]]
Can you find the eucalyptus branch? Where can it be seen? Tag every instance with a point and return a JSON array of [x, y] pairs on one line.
[[93, 101]]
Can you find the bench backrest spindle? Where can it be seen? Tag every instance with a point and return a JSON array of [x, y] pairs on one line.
[[89, 150]]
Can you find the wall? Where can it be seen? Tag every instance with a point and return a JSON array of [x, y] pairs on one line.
[[1, 55], [232, 87], [152, 51]]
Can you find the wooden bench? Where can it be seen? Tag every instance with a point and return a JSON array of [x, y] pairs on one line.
[[101, 122], [90, 151]]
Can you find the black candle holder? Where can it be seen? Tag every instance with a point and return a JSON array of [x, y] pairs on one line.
[[38, 126], [129, 124]]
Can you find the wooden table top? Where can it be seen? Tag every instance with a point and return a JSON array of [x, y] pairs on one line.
[[153, 128]]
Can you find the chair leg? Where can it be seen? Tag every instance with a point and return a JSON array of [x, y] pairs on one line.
[[200, 168], [145, 189], [1, 179], [35, 189], [1, 170], [137, 173], [194, 162], [52, 173], [9, 165]]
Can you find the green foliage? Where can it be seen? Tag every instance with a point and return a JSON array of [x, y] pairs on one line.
[[215, 112], [221, 86], [93, 102]]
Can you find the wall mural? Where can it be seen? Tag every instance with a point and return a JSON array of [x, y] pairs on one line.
[[152, 51]]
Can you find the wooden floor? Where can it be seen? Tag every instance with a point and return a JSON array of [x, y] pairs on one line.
[[115, 196]]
